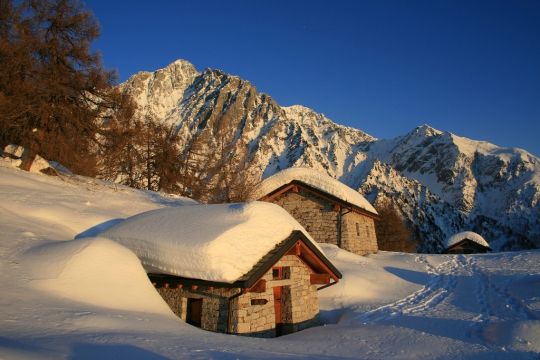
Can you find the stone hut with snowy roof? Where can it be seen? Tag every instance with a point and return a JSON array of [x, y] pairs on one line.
[[246, 269], [466, 242], [329, 210]]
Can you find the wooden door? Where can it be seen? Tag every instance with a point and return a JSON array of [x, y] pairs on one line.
[[278, 306], [194, 312]]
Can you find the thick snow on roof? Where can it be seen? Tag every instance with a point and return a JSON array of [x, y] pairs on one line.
[[209, 242], [317, 180], [477, 238]]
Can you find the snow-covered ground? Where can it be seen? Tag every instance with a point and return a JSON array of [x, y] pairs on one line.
[[90, 298]]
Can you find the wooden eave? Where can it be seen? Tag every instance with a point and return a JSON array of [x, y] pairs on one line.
[[312, 260], [297, 243], [295, 184], [464, 241]]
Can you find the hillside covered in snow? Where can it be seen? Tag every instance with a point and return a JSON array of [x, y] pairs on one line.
[[442, 183], [69, 295]]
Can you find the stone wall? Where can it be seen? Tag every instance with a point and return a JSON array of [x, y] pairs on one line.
[[316, 215], [300, 311], [215, 305], [300, 305], [320, 219], [358, 234], [176, 302], [305, 300]]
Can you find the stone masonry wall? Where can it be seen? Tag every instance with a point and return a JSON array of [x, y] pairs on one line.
[[316, 215], [299, 312], [304, 296], [300, 307], [215, 305], [358, 234], [320, 219]]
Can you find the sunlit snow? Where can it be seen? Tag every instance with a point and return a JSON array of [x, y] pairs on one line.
[[89, 298], [211, 242], [317, 180]]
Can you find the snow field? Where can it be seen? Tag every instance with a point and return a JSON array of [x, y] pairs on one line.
[[90, 298]]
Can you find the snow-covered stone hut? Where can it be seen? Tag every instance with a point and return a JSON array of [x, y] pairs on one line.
[[329, 210], [466, 242], [247, 269]]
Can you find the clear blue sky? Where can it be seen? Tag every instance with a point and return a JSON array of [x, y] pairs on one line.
[[471, 67]]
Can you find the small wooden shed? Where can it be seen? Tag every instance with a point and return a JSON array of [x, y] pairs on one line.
[[329, 210], [246, 269], [466, 242]]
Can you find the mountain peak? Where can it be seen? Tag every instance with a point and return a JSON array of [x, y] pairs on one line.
[[426, 130], [298, 110], [180, 62], [222, 75], [158, 92], [185, 65]]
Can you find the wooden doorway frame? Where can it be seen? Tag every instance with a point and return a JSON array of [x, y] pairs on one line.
[[194, 312], [278, 309]]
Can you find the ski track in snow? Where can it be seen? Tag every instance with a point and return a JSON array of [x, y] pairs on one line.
[[438, 288], [459, 274], [496, 302], [492, 297]]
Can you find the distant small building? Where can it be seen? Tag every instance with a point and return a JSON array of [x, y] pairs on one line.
[[329, 210], [244, 269], [466, 242]]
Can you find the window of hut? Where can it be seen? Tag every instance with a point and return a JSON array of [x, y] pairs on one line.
[[281, 272]]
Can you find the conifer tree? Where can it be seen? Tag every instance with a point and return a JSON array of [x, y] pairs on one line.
[[120, 142], [392, 233], [53, 89]]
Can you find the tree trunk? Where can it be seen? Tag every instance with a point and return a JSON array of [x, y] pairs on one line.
[[28, 157]]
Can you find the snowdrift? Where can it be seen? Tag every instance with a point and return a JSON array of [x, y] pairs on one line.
[[94, 271]]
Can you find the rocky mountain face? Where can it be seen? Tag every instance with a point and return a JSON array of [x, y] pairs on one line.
[[158, 93], [441, 183]]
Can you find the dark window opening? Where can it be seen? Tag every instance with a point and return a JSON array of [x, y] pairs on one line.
[[327, 207], [281, 273], [276, 273], [286, 272], [357, 229], [259, 301]]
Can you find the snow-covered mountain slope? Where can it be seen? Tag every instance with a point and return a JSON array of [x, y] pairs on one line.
[[432, 218], [456, 183], [219, 106], [89, 298], [158, 93], [494, 190]]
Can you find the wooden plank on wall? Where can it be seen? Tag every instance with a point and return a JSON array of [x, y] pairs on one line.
[[319, 279]]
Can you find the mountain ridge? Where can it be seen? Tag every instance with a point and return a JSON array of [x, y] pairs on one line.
[[450, 183]]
